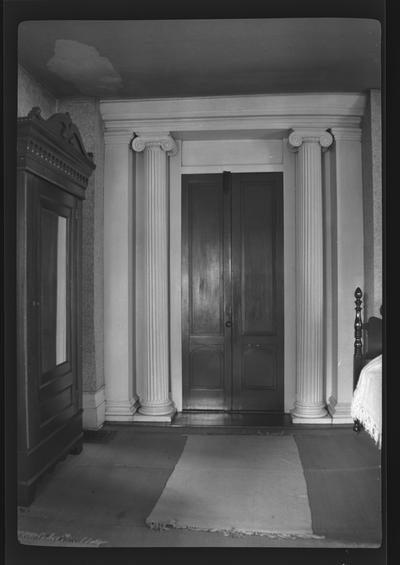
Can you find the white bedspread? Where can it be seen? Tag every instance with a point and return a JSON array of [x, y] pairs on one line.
[[367, 399]]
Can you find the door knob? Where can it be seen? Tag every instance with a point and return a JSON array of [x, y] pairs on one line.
[[228, 324]]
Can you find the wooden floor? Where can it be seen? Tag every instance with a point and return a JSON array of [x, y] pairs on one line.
[[107, 491]]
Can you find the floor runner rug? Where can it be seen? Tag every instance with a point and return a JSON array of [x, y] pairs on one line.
[[237, 485]]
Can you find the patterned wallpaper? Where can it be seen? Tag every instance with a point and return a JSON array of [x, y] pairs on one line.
[[31, 93], [86, 115]]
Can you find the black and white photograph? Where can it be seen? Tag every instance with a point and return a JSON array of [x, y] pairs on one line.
[[197, 219]]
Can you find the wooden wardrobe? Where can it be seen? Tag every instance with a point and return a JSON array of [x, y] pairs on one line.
[[53, 170]]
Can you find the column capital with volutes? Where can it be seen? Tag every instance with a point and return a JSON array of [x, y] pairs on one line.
[[163, 140], [310, 135]]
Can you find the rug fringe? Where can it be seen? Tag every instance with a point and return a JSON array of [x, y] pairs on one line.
[[233, 532], [58, 539]]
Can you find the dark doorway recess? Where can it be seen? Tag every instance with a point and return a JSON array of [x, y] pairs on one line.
[[232, 292]]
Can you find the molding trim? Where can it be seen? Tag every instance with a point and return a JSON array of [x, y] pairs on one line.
[[346, 134], [121, 135], [218, 106], [121, 410], [340, 413], [94, 409], [257, 112]]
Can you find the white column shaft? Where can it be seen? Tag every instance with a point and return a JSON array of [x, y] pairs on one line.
[[155, 401], [155, 398], [309, 398], [309, 274]]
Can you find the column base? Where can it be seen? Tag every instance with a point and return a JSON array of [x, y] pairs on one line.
[[305, 420], [121, 410], [166, 408], [138, 417], [309, 411]]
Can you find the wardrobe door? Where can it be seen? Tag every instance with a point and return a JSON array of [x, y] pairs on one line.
[[52, 285]]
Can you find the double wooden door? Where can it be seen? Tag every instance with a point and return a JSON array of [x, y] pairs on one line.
[[232, 292]]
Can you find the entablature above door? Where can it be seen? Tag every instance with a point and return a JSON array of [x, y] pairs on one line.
[[217, 116]]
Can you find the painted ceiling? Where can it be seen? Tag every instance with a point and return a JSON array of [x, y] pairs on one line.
[[173, 58]]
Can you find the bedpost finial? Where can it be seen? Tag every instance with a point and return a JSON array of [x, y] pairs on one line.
[[358, 293]]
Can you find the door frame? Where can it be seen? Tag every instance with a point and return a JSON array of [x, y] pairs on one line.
[[286, 165]]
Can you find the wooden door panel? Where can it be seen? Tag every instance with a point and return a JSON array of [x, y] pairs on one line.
[[48, 299], [205, 355], [257, 259], [259, 370], [57, 357], [206, 259], [257, 256]]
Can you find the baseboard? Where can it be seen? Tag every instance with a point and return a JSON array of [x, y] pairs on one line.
[[121, 410], [340, 413], [94, 408]]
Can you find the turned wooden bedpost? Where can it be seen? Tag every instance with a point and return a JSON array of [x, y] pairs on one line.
[[358, 345]]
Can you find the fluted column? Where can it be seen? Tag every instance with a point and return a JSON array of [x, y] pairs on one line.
[[155, 403], [309, 273]]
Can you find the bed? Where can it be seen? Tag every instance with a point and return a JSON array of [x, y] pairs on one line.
[[366, 406]]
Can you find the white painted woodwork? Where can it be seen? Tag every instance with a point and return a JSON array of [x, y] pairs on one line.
[[231, 152], [93, 404], [309, 272], [119, 362], [155, 401], [176, 171], [330, 346], [309, 106], [255, 113], [348, 253], [261, 119], [175, 258], [289, 275]]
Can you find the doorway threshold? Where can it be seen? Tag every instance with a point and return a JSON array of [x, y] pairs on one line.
[[197, 418]]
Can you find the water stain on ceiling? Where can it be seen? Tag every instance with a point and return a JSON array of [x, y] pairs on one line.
[[83, 66]]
